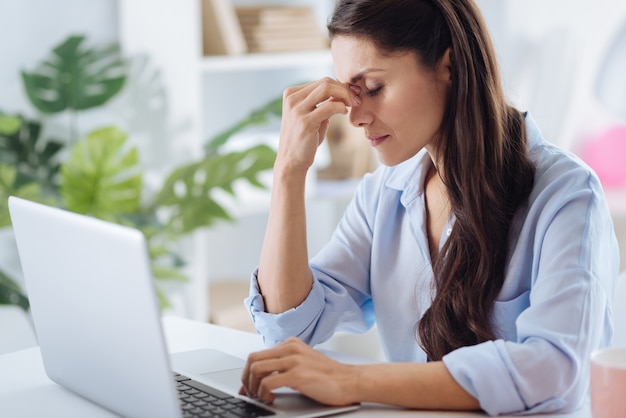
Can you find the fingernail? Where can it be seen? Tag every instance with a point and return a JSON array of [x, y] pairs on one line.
[[355, 89], [357, 100]]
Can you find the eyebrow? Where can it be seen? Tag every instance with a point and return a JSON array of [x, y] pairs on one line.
[[360, 75]]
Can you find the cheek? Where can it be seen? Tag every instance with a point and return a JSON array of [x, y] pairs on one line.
[[401, 113], [421, 110]]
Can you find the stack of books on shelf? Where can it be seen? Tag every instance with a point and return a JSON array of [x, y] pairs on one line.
[[275, 28], [221, 32]]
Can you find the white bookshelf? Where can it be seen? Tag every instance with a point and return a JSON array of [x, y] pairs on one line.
[[206, 95]]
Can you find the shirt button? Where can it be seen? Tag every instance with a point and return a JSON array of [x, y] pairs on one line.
[[449, 231]]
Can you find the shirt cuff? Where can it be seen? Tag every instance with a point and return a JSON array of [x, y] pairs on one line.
[[295, 322], [482, 376], [484, 371]]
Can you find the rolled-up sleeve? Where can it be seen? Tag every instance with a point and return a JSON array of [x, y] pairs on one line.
[[300, 321], [340, 296]]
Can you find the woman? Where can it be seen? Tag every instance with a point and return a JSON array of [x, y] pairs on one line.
[[485, 255]]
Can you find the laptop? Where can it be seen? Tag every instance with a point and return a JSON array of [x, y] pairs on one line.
[[98, 323]]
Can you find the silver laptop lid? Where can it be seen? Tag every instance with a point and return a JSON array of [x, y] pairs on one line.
[[95, 309]]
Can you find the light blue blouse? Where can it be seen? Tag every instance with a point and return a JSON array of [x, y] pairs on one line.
[[553, 311]]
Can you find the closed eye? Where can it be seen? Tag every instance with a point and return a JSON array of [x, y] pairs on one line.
[[374, 92]]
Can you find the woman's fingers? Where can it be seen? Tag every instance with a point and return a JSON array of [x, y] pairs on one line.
[[271, 382], [261, 370], [306, 111], [318, 101], [323, 130], [295, 365], [311, 95], [266, 362]]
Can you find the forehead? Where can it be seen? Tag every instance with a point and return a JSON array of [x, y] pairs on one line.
[[355, 58]]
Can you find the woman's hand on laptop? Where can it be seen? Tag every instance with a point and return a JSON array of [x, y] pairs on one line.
[[295, 365]]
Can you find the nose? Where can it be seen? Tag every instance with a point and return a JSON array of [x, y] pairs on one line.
[[360, 116]]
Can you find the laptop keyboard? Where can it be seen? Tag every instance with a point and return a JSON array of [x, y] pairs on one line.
[[198, 400]]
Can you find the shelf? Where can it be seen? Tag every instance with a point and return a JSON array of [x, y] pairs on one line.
[[251, 200], [256, 62]]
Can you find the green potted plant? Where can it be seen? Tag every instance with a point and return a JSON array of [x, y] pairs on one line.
[[100, 173]]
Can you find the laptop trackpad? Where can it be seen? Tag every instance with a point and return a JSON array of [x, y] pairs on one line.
[[205, 361], [229, 378], [210, 366]]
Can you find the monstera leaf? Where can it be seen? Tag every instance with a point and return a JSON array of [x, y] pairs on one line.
[[9, 124], [35, 159], [187, 191], [102, 177], [75, 77], [9, 187]]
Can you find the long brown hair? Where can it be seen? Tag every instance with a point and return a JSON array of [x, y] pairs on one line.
[[482, 140]]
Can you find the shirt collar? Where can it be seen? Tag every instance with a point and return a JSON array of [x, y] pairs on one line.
[[532, 132], [409, 176]]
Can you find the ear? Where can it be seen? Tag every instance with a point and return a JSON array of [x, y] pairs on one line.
[[444, 69]]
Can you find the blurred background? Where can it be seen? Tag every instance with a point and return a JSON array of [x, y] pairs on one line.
[[151, 71]]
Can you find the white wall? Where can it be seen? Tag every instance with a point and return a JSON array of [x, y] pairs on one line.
[[550, 52]]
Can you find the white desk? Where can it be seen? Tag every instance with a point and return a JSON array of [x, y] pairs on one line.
[[25, 391]]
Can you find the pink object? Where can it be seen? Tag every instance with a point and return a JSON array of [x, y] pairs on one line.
[[608, 383], [606, 155]]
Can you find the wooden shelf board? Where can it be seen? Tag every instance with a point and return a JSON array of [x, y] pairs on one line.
[[255, 62]]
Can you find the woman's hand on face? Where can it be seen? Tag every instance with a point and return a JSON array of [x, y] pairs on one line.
[[305, 116], [295, 365]]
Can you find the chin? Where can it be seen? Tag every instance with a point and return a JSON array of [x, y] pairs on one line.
[[390, 160]]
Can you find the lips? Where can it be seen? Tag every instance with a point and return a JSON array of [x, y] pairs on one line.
[[375, 140]]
